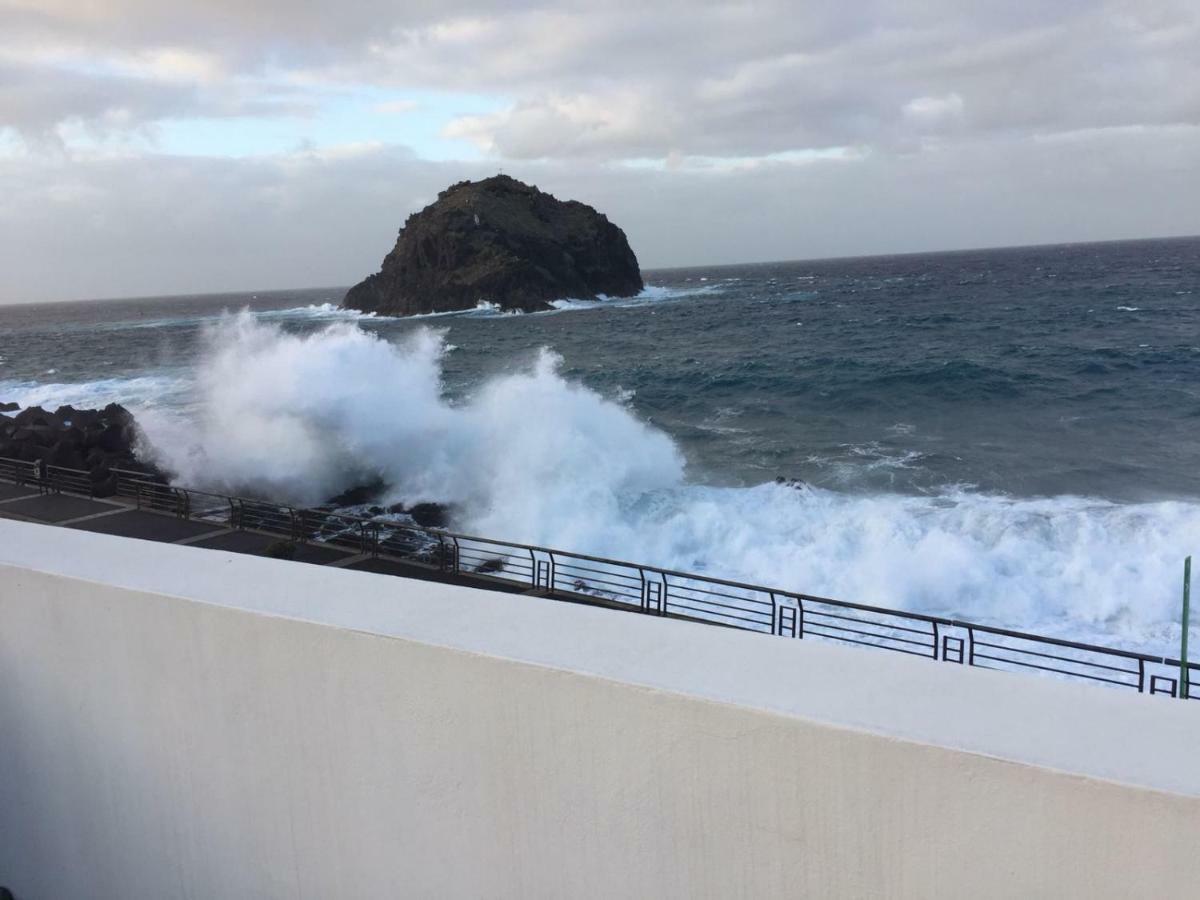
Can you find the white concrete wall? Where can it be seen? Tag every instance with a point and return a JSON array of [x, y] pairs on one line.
[[176, 722]]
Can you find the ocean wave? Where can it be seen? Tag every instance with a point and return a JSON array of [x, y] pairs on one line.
[[136, 392], [650, 294], [314, 312], [484, 309], [319, 312], [303, 417]]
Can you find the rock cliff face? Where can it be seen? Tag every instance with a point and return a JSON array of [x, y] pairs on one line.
[[502, 242]]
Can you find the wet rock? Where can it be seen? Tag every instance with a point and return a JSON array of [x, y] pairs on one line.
[[115, 412], [426, 514], [66, 454], [429, 515], [358, 495], [113, 438], [105, 487], [91, 440], [34, 415]]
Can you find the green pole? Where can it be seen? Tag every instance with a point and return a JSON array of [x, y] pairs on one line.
[[1187, 603]]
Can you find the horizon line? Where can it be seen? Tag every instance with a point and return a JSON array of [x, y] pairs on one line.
[[674, 268]]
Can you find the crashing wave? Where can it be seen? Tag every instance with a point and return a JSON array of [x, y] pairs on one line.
[[533, 457]]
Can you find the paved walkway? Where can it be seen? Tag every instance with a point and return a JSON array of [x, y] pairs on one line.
[[116, 517]]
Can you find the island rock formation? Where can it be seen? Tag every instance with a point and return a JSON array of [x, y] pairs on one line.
[[499, 241]]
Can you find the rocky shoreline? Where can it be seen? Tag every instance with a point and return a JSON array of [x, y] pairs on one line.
[[95, 441], [98, 441]]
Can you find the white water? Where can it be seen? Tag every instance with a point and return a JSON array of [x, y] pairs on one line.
[[141, 391], [531, 457]]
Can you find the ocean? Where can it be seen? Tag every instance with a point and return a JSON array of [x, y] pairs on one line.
[[1010, 436]]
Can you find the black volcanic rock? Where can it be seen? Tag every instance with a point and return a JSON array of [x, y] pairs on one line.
[[502, 242], [91, 440]]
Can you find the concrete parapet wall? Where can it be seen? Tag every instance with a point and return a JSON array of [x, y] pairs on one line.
[[162, 738]]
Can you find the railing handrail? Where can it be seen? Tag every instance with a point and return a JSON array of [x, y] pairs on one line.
[[797, 595], [297, 514]]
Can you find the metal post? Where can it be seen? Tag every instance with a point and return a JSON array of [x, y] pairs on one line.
[[1185, 623]]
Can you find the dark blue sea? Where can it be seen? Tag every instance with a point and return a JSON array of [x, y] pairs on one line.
[[1009, 435]]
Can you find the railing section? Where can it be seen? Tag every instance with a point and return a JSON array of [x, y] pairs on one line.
[[647, 589]]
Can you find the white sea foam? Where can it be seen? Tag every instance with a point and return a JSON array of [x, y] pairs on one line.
[[315, 312], [142, 391], [532, 457], [652, 293], [319, 312], [305, 416], [484, 309]]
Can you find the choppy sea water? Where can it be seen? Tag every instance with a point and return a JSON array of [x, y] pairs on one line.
[[1011, 435]]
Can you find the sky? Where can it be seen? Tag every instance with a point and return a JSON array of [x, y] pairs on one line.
[[151, 148]]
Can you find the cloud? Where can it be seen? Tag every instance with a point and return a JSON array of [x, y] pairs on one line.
[[630, 79], [396, 107], [46, 104], [933, 111], [711, 131], [133, 225]]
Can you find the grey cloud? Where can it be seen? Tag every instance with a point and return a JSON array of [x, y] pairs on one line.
[[971, 124], [631, 79], [136, 226], [36, 99], [1076, 66]]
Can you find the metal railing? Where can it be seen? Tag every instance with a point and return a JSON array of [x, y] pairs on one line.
[[647, 589]]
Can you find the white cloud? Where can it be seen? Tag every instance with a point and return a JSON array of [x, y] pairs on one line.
[[626, 79], [568, 126], [396, 107], [933, 111], [710, 130]]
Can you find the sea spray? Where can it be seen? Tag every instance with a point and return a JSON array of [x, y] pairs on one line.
[[302, 417], [533, 457]]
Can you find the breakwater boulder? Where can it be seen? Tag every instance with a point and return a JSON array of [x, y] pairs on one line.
[[499, 241], [95, 441]]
